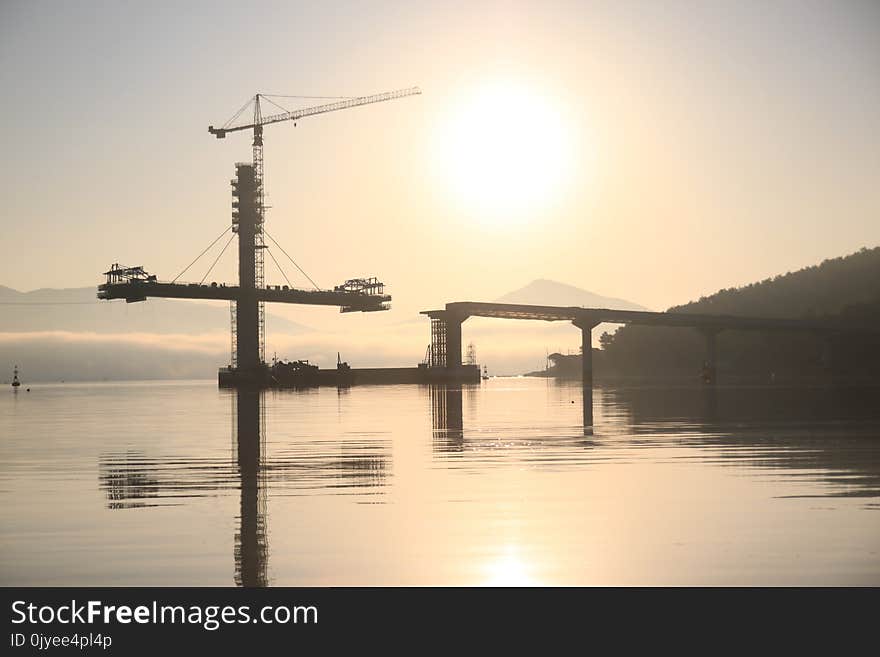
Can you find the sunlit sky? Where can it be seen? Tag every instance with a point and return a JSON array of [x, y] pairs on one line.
[[650, 151]]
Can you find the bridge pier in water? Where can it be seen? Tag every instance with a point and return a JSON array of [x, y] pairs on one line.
[[453, 342], [586, 325], [444, 359], [247, 314], [710, 364]]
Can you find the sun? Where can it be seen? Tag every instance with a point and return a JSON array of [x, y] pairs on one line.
[[505, 152]]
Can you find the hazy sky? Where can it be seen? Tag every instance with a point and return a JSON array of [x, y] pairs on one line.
[[651, 151]]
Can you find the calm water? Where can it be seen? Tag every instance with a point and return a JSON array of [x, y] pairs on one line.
[[184, 484]]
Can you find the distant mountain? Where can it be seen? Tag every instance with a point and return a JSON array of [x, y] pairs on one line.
[[78, 310], [543, 292]]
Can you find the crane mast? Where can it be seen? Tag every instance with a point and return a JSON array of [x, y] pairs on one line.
[[257, 126], [259, 241]]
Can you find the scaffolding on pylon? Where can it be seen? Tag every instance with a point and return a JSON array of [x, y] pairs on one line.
[[438, 342], [233, 360], [259, 242]]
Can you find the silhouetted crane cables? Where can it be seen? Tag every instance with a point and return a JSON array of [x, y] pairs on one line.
[[222, 251], [302, 271], [226, 246], [229, 228], [269, 97]]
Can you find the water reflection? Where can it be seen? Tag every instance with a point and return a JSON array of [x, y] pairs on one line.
[[251, 545], [125, 483], [132, 479], [828, 434], [503, 487], [509, 568], [446, 417], [499, 440]]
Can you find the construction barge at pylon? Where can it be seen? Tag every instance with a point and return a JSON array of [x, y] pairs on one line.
[[302, 374]]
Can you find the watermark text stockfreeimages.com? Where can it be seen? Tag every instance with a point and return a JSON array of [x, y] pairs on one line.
[[210, 617]]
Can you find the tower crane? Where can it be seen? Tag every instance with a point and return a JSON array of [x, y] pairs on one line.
[[259, 120]]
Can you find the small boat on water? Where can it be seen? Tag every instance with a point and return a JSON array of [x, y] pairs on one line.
[[485, 373], [344, 375], [15, 382]]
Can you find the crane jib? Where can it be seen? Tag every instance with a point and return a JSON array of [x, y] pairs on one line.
[[339, 105], [220, 133]]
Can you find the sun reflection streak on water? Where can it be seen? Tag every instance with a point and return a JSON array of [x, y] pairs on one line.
[[508, 568]]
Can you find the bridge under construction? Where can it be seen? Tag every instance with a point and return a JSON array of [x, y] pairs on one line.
[[446, 330], [247, 299], [443, 362]]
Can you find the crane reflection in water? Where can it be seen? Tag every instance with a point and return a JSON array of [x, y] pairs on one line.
[[251, 545], [134, 480]]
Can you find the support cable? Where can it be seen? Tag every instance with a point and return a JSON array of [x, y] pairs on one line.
[[228, 242], [269, 97], [238, 113], [202, 253], [311, 97], [250, 102], [291, 259], [281, 107], [272, 255]]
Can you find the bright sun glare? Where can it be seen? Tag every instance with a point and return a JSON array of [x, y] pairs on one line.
[[508, 569], [505, 152]]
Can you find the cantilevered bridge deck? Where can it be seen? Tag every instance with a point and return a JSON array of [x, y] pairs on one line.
[[593, 316], [139, 290]]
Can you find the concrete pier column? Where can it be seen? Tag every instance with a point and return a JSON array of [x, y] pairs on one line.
[[710, 364], [587, 359], [453, 340], [586, 325], [247, 308]]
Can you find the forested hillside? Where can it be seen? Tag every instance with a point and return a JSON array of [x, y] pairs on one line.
[[845, 290]]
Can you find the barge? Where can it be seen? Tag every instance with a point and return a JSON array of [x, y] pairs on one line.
[[302, 374]]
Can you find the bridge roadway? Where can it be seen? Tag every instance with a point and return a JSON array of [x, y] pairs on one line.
[[586, 319], [595, 316], [133, 291]]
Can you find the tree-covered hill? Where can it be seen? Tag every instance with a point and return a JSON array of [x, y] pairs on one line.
[[823, 289], [844, 290]]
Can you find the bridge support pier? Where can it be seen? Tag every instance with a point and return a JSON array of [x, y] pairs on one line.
[[451, 331], [710, 365], [444, 356], [246, 223], [453, 342], [586, 325]]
